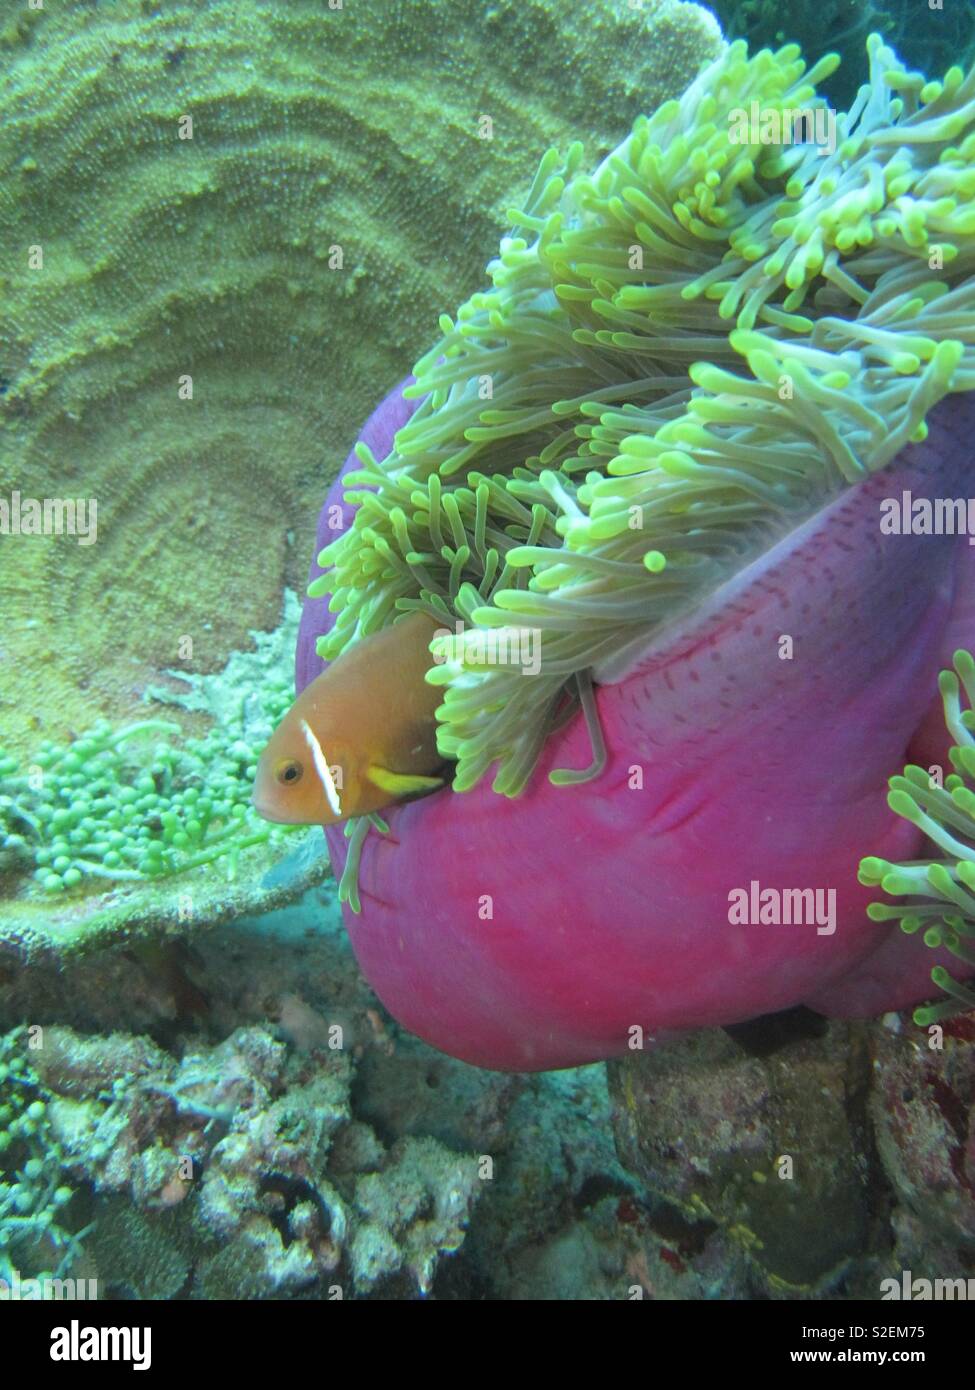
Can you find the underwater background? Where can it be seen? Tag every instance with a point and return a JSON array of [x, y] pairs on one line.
[[227, 230]]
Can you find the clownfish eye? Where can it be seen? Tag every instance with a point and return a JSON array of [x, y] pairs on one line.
[[288, 772]]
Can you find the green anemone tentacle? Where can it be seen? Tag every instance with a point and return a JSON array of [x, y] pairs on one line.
[[941, 891]]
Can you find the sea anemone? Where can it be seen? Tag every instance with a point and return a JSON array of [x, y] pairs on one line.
[[664, 440], [701, 343]]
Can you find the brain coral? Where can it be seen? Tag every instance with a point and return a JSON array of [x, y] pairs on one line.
[[223, 227]]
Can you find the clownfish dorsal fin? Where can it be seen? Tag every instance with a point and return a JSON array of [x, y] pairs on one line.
[[401, 783]]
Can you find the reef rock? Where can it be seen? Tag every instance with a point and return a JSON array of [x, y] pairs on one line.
[[923, 1109], [770, 1147]]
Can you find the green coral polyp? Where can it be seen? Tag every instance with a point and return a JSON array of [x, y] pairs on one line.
[[33, 1191], [118, 806], [133, 805], [946, 814], [702, 337]]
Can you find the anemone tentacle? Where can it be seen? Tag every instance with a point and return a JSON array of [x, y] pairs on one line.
[[946, 814]]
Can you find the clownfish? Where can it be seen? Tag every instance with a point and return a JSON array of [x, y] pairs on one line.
[[360, 737]]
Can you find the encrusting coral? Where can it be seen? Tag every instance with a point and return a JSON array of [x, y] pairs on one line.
[[225, 276], [695, 345]]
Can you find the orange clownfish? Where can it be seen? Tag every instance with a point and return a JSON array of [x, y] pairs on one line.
[[361, 736]]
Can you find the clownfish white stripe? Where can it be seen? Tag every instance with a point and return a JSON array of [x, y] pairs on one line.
[[322, 768]]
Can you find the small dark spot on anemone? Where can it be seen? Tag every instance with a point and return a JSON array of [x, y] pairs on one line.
[[4, 385], [174, 56]]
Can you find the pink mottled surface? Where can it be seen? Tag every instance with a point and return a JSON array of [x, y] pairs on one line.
[[609, 904]]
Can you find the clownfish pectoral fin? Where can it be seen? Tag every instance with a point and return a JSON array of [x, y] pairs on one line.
[[401, 783]]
